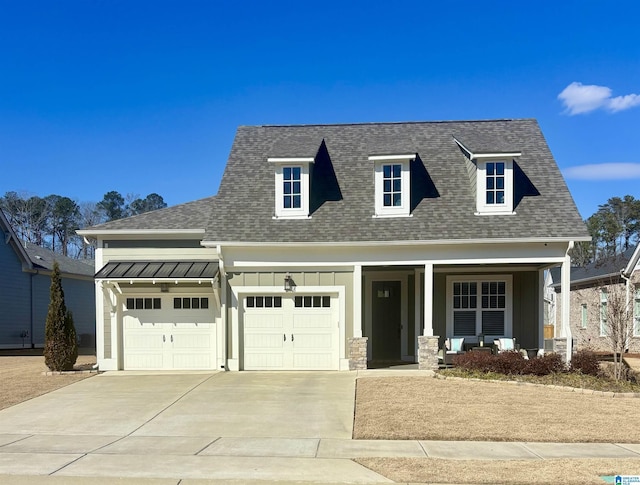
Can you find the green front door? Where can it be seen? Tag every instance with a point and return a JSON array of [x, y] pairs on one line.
[[386, 320]]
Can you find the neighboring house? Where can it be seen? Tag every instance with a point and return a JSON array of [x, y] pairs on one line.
[[25, 279], [590, 289], [328, 246]]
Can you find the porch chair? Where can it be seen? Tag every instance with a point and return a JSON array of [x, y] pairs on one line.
[[505, 344], [509, 345], [452, 347]]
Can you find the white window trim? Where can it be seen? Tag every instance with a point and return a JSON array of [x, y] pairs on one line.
[[603, 312], [636, 312], [481, 204], [404, 160], [304, 163], [508, 309], [584, 316]]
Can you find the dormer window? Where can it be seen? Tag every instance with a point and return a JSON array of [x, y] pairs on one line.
[[292, 187], [392, 183], [495, 186], [494, 183], [292, 176], [493, 179]]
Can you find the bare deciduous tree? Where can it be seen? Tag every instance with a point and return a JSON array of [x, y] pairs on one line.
[[615, 314]]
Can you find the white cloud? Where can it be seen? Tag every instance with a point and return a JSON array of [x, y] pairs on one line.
[[580, 98], [624, 102], [603, 171]]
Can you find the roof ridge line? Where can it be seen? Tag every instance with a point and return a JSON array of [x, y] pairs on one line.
[[387, 123]]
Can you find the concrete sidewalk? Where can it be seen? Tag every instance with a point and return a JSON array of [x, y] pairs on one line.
[[278, 459]]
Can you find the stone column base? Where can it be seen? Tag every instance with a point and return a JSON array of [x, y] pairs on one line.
[[560, 347], [427, 352], [358, 353]]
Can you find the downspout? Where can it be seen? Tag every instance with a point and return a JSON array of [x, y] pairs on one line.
[[626, 306], [223, 308], [567, 312], [31, 311]]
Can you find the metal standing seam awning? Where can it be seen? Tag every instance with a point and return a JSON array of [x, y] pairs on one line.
[[158, 271]]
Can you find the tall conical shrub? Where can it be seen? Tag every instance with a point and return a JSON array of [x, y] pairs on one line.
[[60, 345]]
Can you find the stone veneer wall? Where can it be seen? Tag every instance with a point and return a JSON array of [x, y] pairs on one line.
[[427, 352], [358, 353]]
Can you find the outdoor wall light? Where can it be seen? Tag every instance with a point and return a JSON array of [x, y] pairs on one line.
[[288, 283]]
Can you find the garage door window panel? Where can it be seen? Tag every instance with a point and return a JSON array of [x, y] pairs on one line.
[[187, 303], [312, 301], [143, 304], [263, 302]]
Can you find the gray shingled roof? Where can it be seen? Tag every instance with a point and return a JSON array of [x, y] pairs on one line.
[[609, 267], [445, 205], [443, 201], [191, 215], [44, 258]]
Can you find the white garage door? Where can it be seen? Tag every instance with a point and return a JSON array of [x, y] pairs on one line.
[[175, 333], [291, 332]]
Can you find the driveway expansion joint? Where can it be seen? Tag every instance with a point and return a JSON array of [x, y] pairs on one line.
[[168, 406]]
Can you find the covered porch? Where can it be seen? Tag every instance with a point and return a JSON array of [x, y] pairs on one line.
[[407, 311]]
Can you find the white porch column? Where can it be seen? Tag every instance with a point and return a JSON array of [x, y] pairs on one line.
[[110, 294], [565, 291], [428, 300], [99, 321], [357, 301], [541, 309]]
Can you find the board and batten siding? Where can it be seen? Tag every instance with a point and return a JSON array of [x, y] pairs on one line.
[[526, 310], [15, 299]]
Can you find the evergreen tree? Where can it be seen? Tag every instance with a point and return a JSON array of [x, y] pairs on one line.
[[60, 346]]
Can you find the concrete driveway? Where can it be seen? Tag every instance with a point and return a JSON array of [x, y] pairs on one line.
[[225, 404], [227, 425]]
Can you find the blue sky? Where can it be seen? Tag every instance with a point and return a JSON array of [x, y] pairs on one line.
[[145, 96]]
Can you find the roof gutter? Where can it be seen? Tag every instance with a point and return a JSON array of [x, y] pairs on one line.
[[143, 233], [395, 243], [633, 262]]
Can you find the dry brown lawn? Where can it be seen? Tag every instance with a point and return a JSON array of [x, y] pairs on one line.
[[511, 472], [426, 408], [434, 409], [22, 378]]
